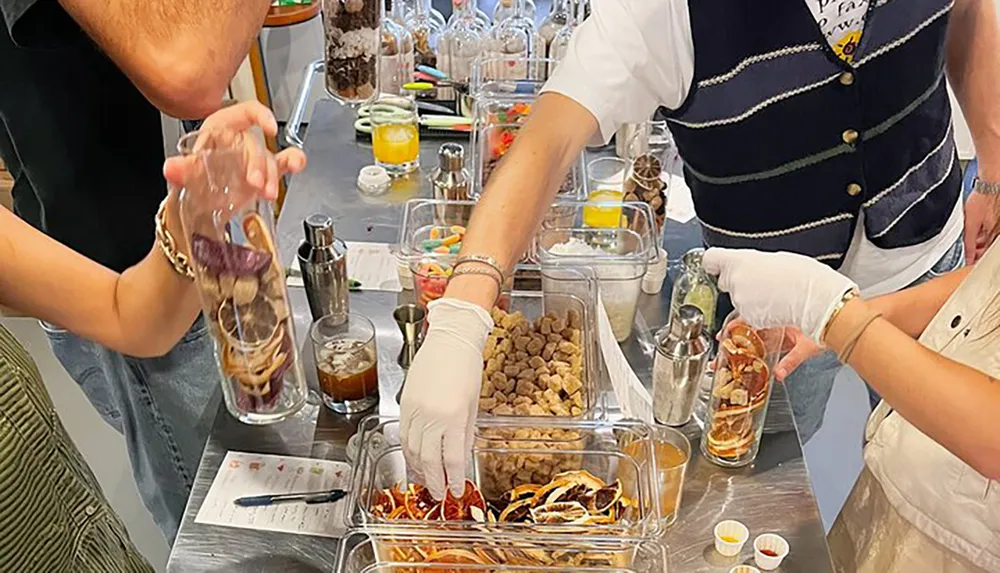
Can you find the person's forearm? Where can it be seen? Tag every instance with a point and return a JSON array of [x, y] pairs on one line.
[[142, 312], [522, 189], [953, 404], [181, 54], [974, 72], [912, 309]]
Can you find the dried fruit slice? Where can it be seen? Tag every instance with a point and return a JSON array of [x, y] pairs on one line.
[[516, 512], [605, 498], [398, 513], [743, 338], [525, 491], [456, 556], [418, 501], [562, 512], [248, 325], [382, 503], [434, 513]]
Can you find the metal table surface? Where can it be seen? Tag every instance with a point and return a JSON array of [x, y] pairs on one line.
[[771, 495]]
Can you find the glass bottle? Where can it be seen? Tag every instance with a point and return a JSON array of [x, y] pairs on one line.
[[558, 18], [741, 389], [352, 48], [240, 279], [426, 31], [515, 38], [505, 9], [559, 45], [410, 7], [461, 44], [694, 286], [396, 66]]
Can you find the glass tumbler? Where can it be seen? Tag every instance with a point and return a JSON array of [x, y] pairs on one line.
[[240, 279], [741, 389], [395, 134], [605, 180], [346, 362]]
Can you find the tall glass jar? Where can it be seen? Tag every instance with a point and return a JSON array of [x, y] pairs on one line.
[[396, 66], [426, 31], [240, 279], [353, 44], [558, 17], [505, 9], [695, 286], [559, 45], [741, 389], [516, 37], [461, 43]]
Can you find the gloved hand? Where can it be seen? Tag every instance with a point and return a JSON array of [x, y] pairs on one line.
[[441, 396], [778, 289]]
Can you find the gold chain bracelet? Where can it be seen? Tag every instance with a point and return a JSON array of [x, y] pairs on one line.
[[168, 245]]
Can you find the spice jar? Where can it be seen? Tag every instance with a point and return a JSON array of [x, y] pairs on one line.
[[353, 44], [240, 280], [741, 389], [695, 287]]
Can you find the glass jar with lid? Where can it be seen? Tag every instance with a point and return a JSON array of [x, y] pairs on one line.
[[694, 286], [461, 43], [396, 66], [426, 31], [516, 37], [353, 46]]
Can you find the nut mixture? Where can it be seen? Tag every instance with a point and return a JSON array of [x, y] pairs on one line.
[[533, 369]]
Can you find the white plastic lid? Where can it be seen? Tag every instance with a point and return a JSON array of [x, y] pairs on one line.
[[373, 180]]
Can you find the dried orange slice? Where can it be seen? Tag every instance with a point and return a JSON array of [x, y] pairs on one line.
[[418, 501], [382, 503], [561, 512], [434, 513], [398, 513], [460, 508], [456, 556]]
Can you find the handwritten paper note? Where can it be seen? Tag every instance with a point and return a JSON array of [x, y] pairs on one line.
[[245, 474], [633, 398]]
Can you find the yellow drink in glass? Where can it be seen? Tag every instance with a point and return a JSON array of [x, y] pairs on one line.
[[603, 209], [395, 144]]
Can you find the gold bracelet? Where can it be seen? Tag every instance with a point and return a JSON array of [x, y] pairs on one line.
[[486, 272], [848, 296], [484, 260], [169, 246]]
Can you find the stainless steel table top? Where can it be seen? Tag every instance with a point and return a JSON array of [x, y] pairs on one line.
[[772, 495]]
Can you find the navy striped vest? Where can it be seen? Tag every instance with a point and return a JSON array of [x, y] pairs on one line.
[[784, 144]]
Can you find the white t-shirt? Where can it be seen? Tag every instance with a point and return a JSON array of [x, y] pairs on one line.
[[632, 56]]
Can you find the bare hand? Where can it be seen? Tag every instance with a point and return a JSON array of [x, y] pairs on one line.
[[263, 170], [800, 348], [982, 213]]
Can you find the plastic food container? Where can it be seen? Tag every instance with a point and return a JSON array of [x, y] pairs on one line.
[[241, 281], [507, 453], [619, 256], [503, 91], [741, 389], [363, 553]]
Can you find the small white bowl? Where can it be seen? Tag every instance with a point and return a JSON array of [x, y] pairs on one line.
[[769, 542], [731, 529], [744, 569], [652, 282]]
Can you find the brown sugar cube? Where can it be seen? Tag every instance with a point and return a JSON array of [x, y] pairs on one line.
[[521, 400], [491, 346], [527, 374], [526, 387], [546, 326], [577, 399], [574, 320], [522, 410], [558, 325], [548, 351], [505, 346], [542, 371], [503, 410], [491, 367], [556, 383], [500, 397], [536, 362], [536, 410], [487, 404], [511, 371], [554, 338], [559, 409], [536, 345], [486, 389], [571, 384], [576, 411]]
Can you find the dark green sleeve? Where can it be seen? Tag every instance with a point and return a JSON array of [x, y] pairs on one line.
[[39, 23]]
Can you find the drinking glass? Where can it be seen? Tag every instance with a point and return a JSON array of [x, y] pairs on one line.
[[672, 451], [395, 134], [605, 180], [346, 362]]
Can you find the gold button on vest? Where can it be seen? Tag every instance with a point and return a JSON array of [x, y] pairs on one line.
[[853, 189]]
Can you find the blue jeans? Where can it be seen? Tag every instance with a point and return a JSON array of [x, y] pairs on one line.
[[164, 407], [809, 386]]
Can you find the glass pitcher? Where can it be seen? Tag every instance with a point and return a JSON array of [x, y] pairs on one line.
[[240, 279]]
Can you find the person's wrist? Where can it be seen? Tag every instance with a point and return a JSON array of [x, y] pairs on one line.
[[844, 323], [478, 289]]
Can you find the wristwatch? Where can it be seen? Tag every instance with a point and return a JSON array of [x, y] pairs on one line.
[[984, 187]]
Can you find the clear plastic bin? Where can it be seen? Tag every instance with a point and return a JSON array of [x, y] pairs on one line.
[[512, 452], [619, 256], [363, 553], [503, 91]]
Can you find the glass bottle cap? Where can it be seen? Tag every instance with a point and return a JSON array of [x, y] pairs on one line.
[[373, 180]]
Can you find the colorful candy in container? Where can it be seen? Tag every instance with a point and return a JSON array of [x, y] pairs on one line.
[[241, 283], [430, 279]]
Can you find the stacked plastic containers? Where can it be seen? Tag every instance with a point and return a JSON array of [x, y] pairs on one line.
[[510, 517]]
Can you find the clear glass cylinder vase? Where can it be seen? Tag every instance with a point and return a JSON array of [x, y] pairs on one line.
[[741, 390], [353, 45], [240, 279]]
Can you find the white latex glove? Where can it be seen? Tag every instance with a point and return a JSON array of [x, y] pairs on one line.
[[778, 289], [441, 397]]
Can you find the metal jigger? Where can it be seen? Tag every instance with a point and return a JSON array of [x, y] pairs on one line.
[[411, 319]]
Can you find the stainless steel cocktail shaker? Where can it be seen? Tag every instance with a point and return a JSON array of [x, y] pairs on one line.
[[323, 261], [682, 351]]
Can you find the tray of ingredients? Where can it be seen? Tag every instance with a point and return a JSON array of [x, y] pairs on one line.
[[528, 476], [362, 553]]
